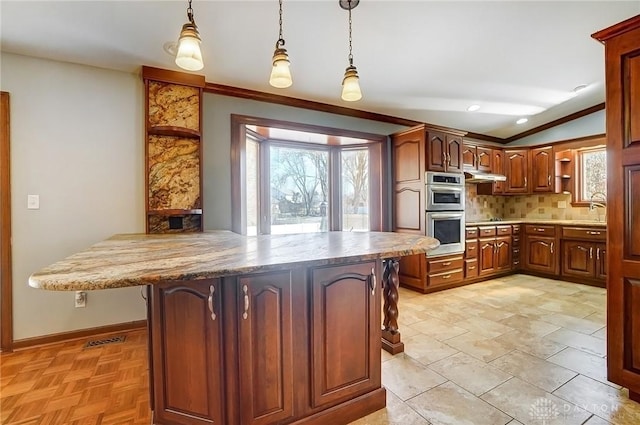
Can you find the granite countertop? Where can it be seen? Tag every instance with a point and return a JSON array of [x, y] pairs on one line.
[[142, 259], [584, 223]]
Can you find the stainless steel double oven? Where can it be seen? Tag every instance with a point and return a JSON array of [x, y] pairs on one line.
[[445, 211]]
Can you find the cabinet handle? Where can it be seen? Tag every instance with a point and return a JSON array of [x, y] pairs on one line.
[[597, 253], [210, 301], [448, 158], [471, 267], [591, 252], [444, 158], [525, 181], [448, 263], [245, 314], [539, 230], [475, 159], [446, 276], [471, 248], [552, 247], [593, 233], [373, 281]]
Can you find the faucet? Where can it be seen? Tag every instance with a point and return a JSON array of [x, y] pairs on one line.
[[593, 204]]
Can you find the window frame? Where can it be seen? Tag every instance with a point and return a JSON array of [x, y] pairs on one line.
[[378, 169], [578, 200]]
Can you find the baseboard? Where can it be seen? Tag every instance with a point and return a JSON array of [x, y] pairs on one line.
[[77, 334]]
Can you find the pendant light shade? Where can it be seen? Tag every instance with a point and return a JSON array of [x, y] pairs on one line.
[[351, 85], [351, 82], [280, 72], [189, 56]]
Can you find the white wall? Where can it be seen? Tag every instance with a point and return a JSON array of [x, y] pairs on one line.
[[589, 125], [77, 141]]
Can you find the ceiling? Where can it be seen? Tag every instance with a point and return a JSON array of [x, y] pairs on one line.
[[422, 60]]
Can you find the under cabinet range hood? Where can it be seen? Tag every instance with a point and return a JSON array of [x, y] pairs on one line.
[[473, 176]]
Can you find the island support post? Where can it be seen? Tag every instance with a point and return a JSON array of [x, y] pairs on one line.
[[391, 341]]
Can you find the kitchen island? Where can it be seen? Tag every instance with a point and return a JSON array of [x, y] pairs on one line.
[[256, 330]]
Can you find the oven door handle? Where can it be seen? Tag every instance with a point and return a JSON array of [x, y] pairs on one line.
[[449, 189], [445, 215]]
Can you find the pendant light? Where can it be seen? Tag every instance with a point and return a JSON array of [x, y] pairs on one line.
[[350, 84], [280, 72], [189, 56]]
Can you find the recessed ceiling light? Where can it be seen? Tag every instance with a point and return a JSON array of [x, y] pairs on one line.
[[473, 108], [522, 120], [579, 88]]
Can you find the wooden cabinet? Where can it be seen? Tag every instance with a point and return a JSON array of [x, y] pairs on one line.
[[292, 346], [516, 163], [564, 171], [173, 151], [494, 252], [444, 151], [584, 253], [265, 340], [541, 249], [345, 313], [622, 64], [515, 247], [409, 155], [186, 344], [477, 158], [542, 169], [426, 274]]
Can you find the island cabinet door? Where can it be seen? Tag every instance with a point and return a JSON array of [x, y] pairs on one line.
[[346, 334], [265, 348], [187, 360]]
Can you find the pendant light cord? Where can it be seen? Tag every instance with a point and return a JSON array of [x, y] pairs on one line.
[[280, 41], [190, 12], [350, 39]]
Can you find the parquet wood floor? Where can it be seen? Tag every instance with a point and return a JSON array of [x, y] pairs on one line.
[[64, 384]]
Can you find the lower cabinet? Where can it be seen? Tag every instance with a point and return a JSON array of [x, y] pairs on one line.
[[584, 253], [541, 249], [429, 274], [186, 345], [269, 348]]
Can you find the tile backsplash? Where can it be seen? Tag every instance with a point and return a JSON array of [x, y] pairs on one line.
[[541, 206]]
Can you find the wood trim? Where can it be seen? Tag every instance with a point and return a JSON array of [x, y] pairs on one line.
[[484, 138], [617, 29], [78, 334], [174, 77], [6, 287], [557, 122]]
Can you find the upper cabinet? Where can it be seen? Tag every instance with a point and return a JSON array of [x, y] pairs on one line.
[[444, 151], [173, 151], [516, 163], [542, 169], [497, 164], [477, 158]]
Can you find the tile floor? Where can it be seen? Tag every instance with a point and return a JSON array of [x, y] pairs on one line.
[[514, 350]]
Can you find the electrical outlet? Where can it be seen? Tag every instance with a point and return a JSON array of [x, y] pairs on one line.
[[81, 299]]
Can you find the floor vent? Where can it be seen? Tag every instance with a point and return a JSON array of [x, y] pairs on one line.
[[105, 341]]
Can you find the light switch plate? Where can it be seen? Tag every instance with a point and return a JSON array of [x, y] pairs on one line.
[[33, 202]]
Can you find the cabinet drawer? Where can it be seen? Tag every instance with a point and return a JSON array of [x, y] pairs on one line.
[[452, 276], [471, 232], [472, 249], [503, 230], [516, 229], [487, 231], [515, 239], [470, 268], [584, 233], [534, 229], [443, 265]]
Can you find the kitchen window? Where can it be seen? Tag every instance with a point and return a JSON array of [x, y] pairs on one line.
[[297, 181], [592, 176]]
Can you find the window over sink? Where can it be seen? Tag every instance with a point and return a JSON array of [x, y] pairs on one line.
[[592, 176]]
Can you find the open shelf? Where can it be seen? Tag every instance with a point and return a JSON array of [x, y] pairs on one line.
[[167, 130]]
